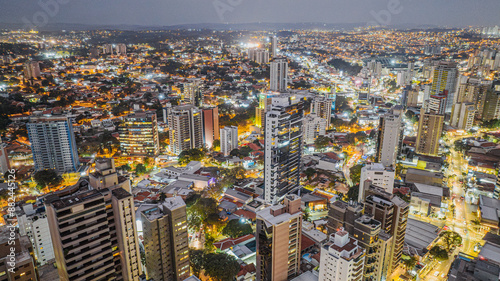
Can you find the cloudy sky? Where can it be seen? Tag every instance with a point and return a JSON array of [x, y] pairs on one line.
[[171, 12]]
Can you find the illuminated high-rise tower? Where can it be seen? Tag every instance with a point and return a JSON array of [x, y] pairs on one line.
[[283, 147], [279, 75], [445, 79], [53, 144]]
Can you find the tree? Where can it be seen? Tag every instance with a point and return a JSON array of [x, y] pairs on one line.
[[196, 260], [310, 172], [439, 253], [355, 173], [47, 178], [306, 214], [410, 263], [353, 193], [235, 229], [140, 169], [126, 167], [148, 162], [200, 211], [450, 238], [195, 154], [216, 145], [321, 142], [221, 266]]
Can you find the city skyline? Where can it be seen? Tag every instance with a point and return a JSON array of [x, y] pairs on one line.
[[296, 154], [157, 13]]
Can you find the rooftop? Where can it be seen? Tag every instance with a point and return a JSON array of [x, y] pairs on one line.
[[174, 203]]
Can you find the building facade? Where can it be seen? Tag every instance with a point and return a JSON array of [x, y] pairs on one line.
[[278, 235], [53, 144], [139, 134], [314, 126], [210, 126], [185, 128], [445, 79], [94, 234], [379, 175], [430, 127], [228, 139], [389, 135], [166, 240], [283, 147], [279, 75], [341, 259]]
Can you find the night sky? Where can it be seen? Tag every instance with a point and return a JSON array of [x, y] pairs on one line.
[[451, 13]]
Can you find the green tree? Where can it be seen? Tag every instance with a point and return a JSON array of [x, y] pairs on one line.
[[353, 193], [126, 167], [216, 145], [450, 238], [221, 266], [321, 142], [196, 260], [235, 229], [47, 178], [140, 169], [195, 154], [310, 172], [409, 263], [200, 211], [355, 173], [438, 253], [148, 162]]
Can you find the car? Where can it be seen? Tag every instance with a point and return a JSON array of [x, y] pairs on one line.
[[436, 273], [443, 275]]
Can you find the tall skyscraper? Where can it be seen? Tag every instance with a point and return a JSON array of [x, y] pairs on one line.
[[139, 134], [273, 46], [191, 92], [279, 75], [491, 108], [121, 49], [186, 128], [314, 126], [265, 100], [462, 116], [437, 103], [259, 56], [228, 139], [166, 240], [389, 134], [430, 127], [445, 79], [31, 70], [341, 258], [283, 147], [364, 228], [94, 234], [278, 235], [53, 144], [210, 125], [392, 212], [379, 175], [323, 108]]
